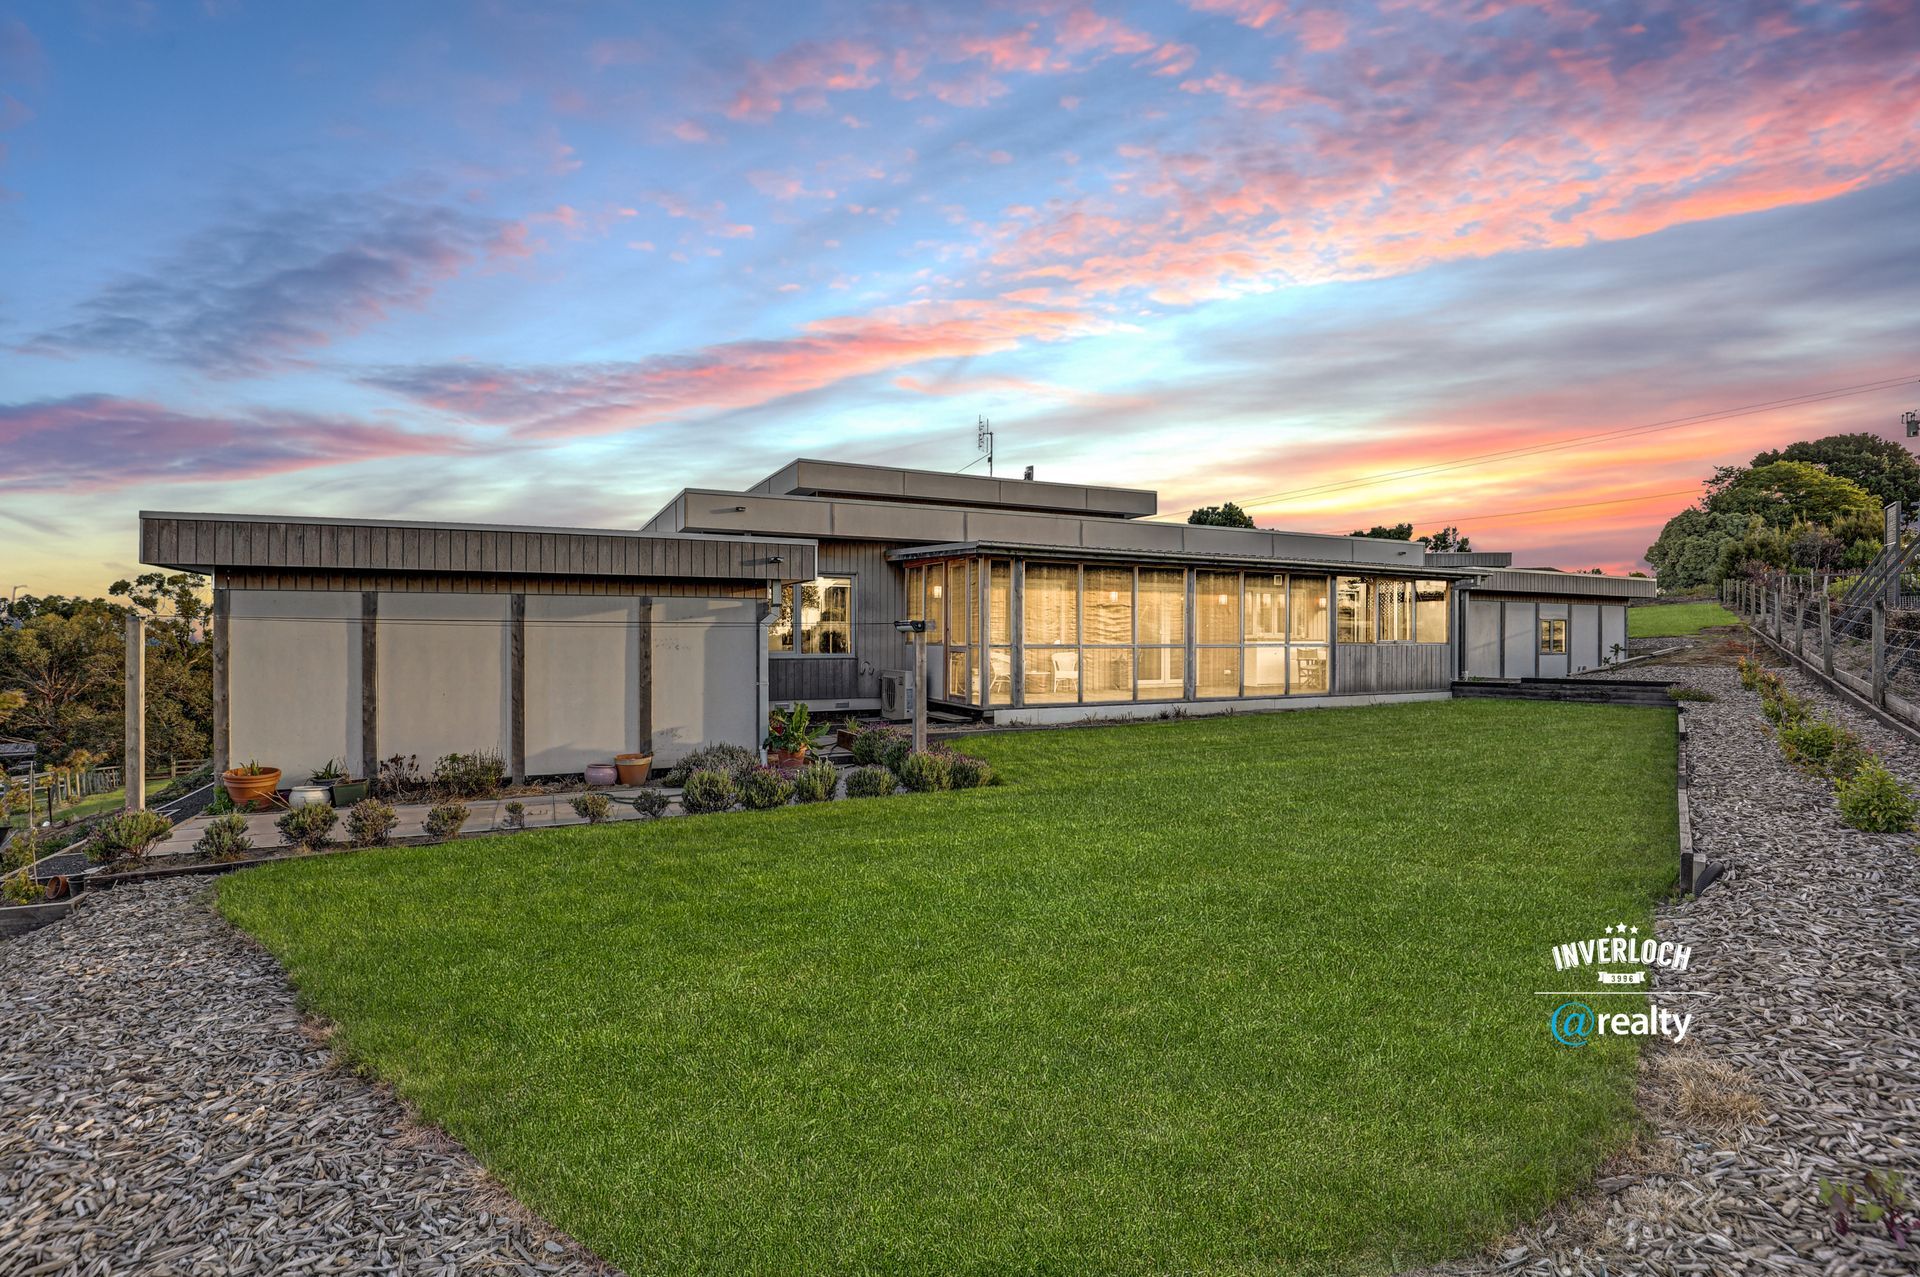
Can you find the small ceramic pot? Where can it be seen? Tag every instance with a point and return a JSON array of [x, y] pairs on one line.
[[348, 792], [601, 774], [633, 768], [310, 796]]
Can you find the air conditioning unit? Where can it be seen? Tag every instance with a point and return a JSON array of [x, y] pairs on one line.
[[896, 695]]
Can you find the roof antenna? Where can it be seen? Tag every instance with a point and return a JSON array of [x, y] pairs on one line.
[[1028, 474], [983, 440]]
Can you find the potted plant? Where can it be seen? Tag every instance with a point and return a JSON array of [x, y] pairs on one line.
[[633, 768], [250, 782], [347, 790], [318, 791], [791, 735]]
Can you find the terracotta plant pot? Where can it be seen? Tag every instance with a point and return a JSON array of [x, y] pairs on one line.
[[786, 757], [633, 768], [601, 774], [348, 792], [246, 790]]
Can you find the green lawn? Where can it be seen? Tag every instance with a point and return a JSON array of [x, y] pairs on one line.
[[91, 805], [1237, 995], [1670, 620]]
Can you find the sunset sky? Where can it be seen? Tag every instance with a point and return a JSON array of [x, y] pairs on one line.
[[548, 263]]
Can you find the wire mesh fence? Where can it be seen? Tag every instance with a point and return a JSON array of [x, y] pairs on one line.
[[1867, 643]]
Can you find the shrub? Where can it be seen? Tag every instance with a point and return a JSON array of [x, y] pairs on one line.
[[709, 791], [870, 782], [815, 782], [593, 807], [370, 823], [925, 772], [794, 730], [968, 772], [399, 777], [222, 803], [870, 744], [1750, 671], [225, 838], [764, 788], [894, 755], [1681, 692], [131, 834], [1871, 799], [514, 815], [476, 775], [649, 802], [307, 827], [734, 760], [1821, 747], [445, 819]]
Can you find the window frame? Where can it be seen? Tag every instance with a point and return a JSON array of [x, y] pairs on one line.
[[1553, 631], [789, 601]]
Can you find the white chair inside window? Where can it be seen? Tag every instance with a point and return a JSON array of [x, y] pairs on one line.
[[1066, 671], [1000, 673]]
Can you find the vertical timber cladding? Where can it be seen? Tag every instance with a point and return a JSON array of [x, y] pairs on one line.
[[879, 599]]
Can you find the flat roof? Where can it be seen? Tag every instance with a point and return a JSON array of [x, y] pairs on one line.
[[1548, 582], [1201, 558], [209, 542], [811, 477]]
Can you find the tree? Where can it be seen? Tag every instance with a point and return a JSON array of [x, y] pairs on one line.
[[1228, 515], [1446, 540], [10, 701], [1784, 492], [1777, 515], [1382, 532], [1881, 467], [179, 662]]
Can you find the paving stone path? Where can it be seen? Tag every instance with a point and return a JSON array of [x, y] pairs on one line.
[[167, 1111], [1803, 1061]]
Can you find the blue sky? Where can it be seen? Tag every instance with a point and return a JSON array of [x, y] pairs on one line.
[[551, 262]]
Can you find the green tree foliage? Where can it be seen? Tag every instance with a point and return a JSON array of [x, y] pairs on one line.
[[9, 702], [66, 663], [1384, 532], [1881, 466], [1228, 515], [1446, 540], [1776, 514]]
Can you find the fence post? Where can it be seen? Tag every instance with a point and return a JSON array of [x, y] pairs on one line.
[[134, 770], [1826, 637], [1880, 652], [1799, 625], [1779, 607]]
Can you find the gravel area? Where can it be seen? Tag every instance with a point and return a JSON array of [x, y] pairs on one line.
[[169, 1111], [1803, 1061]]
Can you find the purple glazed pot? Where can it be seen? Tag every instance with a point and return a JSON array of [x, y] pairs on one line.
[[601, 774]]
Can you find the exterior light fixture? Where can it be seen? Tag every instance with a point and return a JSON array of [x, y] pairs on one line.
[[910, 627]]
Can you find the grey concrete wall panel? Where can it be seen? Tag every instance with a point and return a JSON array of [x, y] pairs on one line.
[[1521, 636], [1613, 629], [293, 679], [1483, 638], [704, 655], [583, 694], [1583, 637], [444, 679]]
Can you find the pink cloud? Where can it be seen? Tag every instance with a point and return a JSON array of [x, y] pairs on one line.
[[802, 76], [607, 398], [134, 442]]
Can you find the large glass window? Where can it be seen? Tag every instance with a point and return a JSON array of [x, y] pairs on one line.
[[1430, 611], [1308, 608], [1162, 673], [916, 593], [1216, 607], [814, 618], [1051, 631], [1553, 637], [966, 605], [1000, 632], [1163, 607], [1107, 607], [960, 676], [1266, 609], [1265, 670], [936, 602], [1109, 673], [1217, 671], [1396, 611], [1308, 672], [1052, 604], [1356, 609]]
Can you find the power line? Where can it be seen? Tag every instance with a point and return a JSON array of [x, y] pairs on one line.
[[1550, 509], [1652, 427]]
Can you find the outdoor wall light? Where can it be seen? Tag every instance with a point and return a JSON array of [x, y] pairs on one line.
[[910, 627]]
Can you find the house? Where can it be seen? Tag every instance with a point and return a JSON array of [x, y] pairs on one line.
[[1043, 602]]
